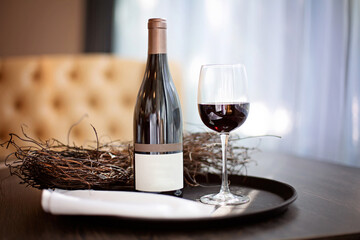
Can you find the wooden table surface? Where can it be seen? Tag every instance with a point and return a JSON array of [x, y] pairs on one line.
[[328, 207]]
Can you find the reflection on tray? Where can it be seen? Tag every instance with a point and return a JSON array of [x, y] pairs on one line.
[[268, 197], [236, 209]]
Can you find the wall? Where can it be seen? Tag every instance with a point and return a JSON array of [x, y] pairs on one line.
[[41, 27]]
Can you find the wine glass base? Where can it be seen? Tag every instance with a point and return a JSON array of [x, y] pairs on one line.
[[224, 199]]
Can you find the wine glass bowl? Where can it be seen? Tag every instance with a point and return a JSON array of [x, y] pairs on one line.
[[223, 117], [223, 107]]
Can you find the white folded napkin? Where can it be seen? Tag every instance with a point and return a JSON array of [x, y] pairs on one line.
[[121, 203]]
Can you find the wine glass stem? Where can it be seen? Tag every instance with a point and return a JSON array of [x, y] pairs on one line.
[[224, 182]]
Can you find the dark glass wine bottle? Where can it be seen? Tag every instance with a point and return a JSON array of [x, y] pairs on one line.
[[158, 157]]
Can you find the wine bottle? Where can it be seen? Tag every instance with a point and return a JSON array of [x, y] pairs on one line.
[[158, 152]]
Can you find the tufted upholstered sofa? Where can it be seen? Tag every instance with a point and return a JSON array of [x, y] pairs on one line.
[[48, 94]]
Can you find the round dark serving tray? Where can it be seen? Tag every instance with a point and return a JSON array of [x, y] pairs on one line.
[[267, 198]]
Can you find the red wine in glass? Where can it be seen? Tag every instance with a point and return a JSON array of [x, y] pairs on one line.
[[223, 109], [223, 117]]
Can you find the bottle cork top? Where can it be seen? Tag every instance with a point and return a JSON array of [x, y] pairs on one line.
[[157, 23]]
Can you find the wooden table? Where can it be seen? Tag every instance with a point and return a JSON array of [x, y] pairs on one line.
[[328, 207]]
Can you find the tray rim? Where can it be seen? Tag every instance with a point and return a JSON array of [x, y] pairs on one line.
[[268, 212]]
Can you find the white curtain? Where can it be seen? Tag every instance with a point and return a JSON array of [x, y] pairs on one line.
[[302, 59]]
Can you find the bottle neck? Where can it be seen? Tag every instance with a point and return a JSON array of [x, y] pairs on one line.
[[157, 67], [157, 41]]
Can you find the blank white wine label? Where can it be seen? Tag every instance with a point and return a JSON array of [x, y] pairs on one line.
[[159, 173]]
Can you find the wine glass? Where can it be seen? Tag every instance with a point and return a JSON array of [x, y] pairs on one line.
[[223, 106]]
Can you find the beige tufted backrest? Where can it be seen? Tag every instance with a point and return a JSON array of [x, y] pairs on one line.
[[49, 94]]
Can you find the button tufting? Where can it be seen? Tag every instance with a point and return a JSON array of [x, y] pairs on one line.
[[113, 128], [93, 102], [127, 100], [58, 104], [109, 75], [19, 104], [3, 135], [77, 133], [37, 75], [73, 75], [40, 133]]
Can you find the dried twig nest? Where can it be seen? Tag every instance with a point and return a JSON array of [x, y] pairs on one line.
[[52, 164]]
